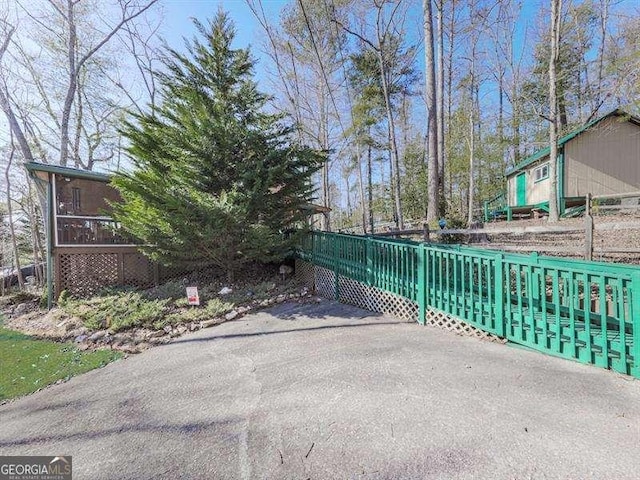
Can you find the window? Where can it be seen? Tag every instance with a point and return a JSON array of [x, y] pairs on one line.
[[75, 199], [541, 173]]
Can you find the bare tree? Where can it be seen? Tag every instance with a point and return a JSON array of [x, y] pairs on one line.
[[14, 238], [388, 20], [7, 30], [440, 98], [554, 53], [433, 207]]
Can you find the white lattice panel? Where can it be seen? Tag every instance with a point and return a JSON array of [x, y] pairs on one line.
[[436, 318], [305, 274], [376, 300], [325, 281]]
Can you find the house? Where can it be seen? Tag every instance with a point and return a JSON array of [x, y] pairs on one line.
[[600, 158], [85, 251]]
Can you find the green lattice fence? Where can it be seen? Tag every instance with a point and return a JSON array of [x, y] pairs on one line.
[[586, 311]]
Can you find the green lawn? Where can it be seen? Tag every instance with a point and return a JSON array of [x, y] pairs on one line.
[[27, 364]]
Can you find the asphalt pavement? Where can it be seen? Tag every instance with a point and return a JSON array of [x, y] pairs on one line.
[[329, 391]]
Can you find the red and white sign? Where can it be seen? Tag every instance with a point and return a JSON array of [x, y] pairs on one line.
[[192, 296]]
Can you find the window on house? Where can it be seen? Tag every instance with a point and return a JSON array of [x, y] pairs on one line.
[[541, 172], [75, 199]]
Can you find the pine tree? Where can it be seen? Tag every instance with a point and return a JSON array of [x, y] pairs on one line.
[[216, 179]]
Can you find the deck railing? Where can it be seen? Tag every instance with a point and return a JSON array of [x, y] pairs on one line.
[[580, 310], [494, 207]]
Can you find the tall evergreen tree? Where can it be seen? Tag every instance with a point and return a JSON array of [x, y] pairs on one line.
[[216, 178]]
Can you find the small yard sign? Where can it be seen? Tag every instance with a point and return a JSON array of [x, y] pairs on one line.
[[192, 296]]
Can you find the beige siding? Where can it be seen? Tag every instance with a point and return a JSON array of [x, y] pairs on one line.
[[603, 160], [537, 192]]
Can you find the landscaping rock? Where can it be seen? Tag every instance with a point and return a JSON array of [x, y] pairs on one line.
[[209, 323], [81, 338], [193, 326], [181, 329], [225, 291], [128, 348], [21, 309], [121, 338], [157, 333], [167, 328], [97, 335], [158, 340], [285, 270], [231, 315], [71, 325]]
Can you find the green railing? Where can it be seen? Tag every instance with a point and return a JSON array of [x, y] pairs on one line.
[[586, 311], [494, 207]]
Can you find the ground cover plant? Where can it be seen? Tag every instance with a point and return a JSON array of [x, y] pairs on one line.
[[166, 306]]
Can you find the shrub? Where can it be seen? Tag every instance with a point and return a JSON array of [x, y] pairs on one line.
[[117, 311], [213, 308]]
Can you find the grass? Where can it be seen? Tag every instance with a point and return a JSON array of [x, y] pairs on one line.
[[28, 364]]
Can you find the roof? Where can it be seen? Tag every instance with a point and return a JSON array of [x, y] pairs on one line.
[[545, 151], [34, 168]]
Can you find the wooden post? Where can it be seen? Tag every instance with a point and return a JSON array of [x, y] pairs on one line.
[[422, 283], [634, 318], [588, 230], [425, 232]]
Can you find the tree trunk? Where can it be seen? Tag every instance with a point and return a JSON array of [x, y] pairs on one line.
[[71, 88], [12, 230], [472, 148], [393, 145], [361, 190], [556, 8], [433, 210], [370, 189], [440, 102]]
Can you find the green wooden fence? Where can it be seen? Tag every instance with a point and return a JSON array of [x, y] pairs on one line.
[[585, 311]]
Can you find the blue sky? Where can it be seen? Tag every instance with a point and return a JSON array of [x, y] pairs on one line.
[[178, 14]]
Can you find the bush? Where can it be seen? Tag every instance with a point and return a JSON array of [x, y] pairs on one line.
[[117, 311], [17, 297], [213, 308]]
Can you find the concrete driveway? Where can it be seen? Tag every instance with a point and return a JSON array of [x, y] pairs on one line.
[[329, 391]]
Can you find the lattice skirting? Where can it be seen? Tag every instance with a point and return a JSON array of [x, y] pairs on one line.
[[376, 300], [85, 271], [322, 281], [304, 272], [436, 318]]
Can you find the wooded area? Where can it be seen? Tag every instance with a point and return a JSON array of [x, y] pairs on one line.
[[420, 106]]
